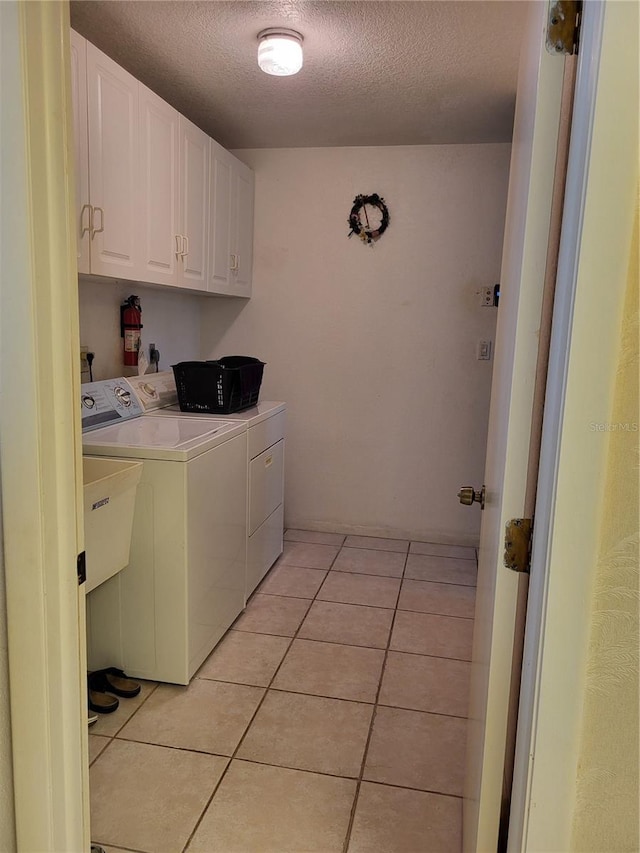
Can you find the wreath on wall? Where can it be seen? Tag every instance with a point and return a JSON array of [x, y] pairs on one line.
[[369, 218]]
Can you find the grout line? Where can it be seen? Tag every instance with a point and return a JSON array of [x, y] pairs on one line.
[[377, 550], [446, 583], [445, 556], [440, 583], [365, 754], [269, 687], [251, 720], [117, 732], [311, 639], [435, 613]]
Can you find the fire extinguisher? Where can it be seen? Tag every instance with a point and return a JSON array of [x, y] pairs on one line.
[[130, 325]]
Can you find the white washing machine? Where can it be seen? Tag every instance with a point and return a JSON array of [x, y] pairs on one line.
[[185, 583], [156, 393]]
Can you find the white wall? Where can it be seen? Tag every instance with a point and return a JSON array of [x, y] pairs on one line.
[[374, 349], [171, 320]]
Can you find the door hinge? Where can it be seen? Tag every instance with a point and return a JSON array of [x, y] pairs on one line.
[[517, 544], [563, 26], [82, 568]]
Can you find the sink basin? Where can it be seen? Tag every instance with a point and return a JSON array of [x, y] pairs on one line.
[[109, 500]]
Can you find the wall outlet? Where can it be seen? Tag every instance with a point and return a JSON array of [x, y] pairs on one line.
[[484, 351], [485, 294], [84, 364]]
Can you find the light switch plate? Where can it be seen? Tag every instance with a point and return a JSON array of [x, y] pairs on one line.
[[484, 351]]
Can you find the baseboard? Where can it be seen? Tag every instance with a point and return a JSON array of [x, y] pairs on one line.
[[436, 536]]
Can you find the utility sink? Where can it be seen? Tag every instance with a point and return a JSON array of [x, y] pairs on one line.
[[109, 500]]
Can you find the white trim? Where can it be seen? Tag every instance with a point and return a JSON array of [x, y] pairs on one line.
[[40, 449], [580, 381]]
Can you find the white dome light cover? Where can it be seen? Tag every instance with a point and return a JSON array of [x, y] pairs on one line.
[[280, 51]]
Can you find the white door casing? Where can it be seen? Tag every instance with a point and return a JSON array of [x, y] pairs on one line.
[[601, 196], [522, 282], [40, 449]]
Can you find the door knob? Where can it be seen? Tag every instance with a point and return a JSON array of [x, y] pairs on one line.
[[468, 495]]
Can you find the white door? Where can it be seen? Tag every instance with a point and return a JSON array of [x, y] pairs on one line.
[[220, 219], [113, 166], [159, 203], [242, 225], [81, 145], [522, 279], [194, 203]]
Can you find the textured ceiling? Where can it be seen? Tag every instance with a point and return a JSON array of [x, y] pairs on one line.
[[375, 72]]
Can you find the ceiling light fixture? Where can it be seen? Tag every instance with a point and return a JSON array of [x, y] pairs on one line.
[[280, 51]]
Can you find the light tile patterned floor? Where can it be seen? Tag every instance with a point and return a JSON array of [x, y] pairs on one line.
[[331, 718]]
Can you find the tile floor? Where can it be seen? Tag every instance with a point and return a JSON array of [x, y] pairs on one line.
[[331, 718]]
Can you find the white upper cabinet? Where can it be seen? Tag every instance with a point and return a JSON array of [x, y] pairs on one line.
[[159, 232], [220, 220], [194, 207], [157, 200], [231, 197], [81, 144], [112, 95], [243, 188]]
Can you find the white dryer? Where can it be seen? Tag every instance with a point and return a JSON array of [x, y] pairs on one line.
[[156, 393], [185, 583]]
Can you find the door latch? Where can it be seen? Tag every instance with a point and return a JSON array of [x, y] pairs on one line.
[[517, 544]]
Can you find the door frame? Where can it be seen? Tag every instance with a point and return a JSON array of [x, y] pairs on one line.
[[41, 437], [594, 249]]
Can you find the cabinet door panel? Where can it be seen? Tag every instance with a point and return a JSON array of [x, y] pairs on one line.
[[113, 165], [159, 203], [243, 225], [220, 220], [81, 145], [194, 201]]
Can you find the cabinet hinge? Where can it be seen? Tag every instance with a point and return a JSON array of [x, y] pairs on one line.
[[82, 568], [563, 26], [517, 544]]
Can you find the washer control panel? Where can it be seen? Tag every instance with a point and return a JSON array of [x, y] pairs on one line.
[[107, 402]]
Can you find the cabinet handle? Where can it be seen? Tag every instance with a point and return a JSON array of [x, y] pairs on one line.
[[234, 263], [178, 246], [84, 228], [99, 230], [185, 244]]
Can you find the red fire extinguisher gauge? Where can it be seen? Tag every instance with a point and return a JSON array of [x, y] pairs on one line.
[[130, 326]]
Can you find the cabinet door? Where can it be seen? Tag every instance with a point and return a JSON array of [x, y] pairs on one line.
[[113, 166], [81, 145], [220, 219], [194, 204], [159, 238], [242, 230]]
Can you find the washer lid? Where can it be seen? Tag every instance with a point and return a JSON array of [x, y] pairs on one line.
[[152, 437]]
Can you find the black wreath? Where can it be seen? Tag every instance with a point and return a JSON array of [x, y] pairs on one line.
[[363, 231]]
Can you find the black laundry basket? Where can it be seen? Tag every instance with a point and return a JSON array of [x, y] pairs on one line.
[[227, 385]]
